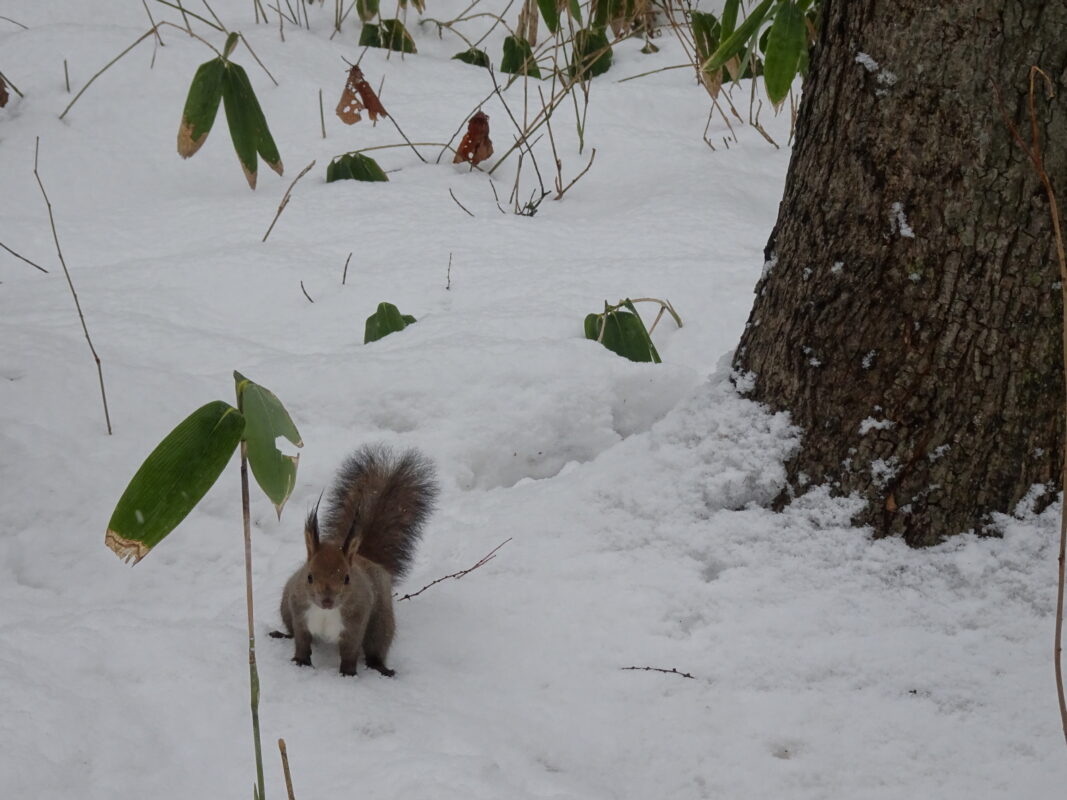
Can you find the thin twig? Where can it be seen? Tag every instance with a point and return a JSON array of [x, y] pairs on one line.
[[322, 115], [66, 75], [193, 14], [577, 177], [211, 11], [261, 64], [285, 760], [406, 139], [653, 72], [344, 275], [285, 199], [14, 88], [1033, 152], [671, 671], [151, 19], [469, 214], [140, 39], [305, 291], [70, 283], [22, 258], [448, 275], [457, 575], [15, 22]]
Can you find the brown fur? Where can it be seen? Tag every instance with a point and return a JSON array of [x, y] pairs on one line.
[[373, 520]]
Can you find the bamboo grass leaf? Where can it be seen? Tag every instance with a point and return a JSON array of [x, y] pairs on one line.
[[387, 319], [550, 14], [201, 107], [266, 420], [735, 42], [242, 125], [786, 42], [173, 479], [265, 145]]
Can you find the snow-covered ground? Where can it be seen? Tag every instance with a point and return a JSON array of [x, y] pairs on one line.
[[823, 664]]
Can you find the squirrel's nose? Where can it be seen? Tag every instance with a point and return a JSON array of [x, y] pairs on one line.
[[326, 602]]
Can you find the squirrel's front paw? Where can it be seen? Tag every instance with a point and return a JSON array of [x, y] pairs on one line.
[[303, 662], [348, 668]]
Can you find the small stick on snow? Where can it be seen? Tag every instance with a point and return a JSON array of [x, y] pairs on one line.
[[22, 258], [322, 115], [344, 275], [459, 203], [457, 575], [66, 75], [70, 283], [671, 671], [285, 769], [285, 199], [305, 291]]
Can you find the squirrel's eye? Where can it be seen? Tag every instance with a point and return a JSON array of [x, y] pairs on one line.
[[310, 579], [346, 579]]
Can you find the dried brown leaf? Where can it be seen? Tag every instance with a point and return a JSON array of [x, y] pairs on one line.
[[476, 146], [358, 96], [3, 93]]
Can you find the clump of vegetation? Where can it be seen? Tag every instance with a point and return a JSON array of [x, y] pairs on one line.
[[186, 464]]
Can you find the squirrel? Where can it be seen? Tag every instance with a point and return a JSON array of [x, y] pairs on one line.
[[373, 520]]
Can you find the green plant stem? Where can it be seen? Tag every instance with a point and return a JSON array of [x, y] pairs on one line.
[[253, 673]]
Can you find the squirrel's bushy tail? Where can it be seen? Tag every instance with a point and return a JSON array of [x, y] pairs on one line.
[[382, 501]]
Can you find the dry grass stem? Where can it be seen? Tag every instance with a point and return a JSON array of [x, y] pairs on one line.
[[285, 199], [70, 283]]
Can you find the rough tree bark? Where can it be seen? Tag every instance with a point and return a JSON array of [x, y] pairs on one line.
[[909, 312]]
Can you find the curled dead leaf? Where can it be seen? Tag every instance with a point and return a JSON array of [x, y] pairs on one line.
[[3, 93], [476, 146], [358, 96]]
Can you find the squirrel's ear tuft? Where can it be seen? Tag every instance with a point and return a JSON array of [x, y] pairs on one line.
[[311, 529]]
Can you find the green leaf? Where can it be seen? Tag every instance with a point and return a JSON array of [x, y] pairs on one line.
[[231, 44], [265, 420], [390, 34], [264, 141], [173, 479], [736, 41], [518, 58], [729, 17], [387, 319], [786, 41], [574, 7], [242, 124], [706, 33], [367, 9], [591, 54], [474, 56], [370, 36], [550, 14], [354, 166], [201, 106], [621, 330]]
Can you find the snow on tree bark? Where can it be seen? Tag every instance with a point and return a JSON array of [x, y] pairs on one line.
[[911, 319]]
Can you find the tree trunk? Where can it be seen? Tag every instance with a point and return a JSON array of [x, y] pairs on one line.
[[909, 315]]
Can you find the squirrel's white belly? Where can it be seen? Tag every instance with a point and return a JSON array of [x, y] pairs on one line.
[[325, 623]]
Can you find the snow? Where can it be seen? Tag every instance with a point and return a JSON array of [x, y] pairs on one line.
[[633, 497], [867, 62], [898, 223]]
